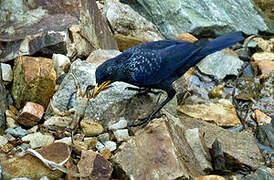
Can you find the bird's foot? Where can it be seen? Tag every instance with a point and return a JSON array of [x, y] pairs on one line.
[[143, 91], [144, 121]]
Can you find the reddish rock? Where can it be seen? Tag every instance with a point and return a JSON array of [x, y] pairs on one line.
[[34, 80], [94, 166], [31, 114], [186, 37], [261, 117]]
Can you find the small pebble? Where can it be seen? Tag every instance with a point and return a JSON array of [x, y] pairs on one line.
[[121, 135], [7, 74], [110, 145], [103, 137], [99, 146], [122, 123], [17, 132]]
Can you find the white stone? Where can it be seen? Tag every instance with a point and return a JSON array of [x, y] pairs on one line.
[[100, 146], [121, 135], [7, 74], [38, 139], [110, 145], [66, 140], [60, 61], [122, 123]]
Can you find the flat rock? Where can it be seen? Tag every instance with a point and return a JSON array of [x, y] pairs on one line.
[[94, 166], [124, 20], [31, 114], [91, 128], [220, 64], [38, 139], [31, 76], [220, 112], [175, 17], [239, 148], [27, 166]]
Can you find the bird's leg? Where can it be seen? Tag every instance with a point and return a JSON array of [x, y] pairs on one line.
[[143, 91], [153, 115]]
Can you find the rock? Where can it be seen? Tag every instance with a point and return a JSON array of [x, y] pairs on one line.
[[56, 122], [17, 132], [79, 146], [34, 129], [66, 140], [56, 152], [100, 146], [94, 26], [10, 119], [71, 166], [125, 21], [106, 154], [122, 123], [125, 42], [202, 16], [221, 112], [218, 158], [264, 45], [263, 56], [31, 114], [243, 53], [38, 139], [265, 135], [91, 128], [110, 105], [110, 145], [261, 117], [91, 142], [186, 37], [94, 166], [7, 74], [152, 154], [220, 64], [266, 7], [261, 173], [103, 137], [121, 135], [60, 61], [3, 141], [196, 142], [263, 67], [210, 177], [27, 166], [216, 92], [100, 55], [31, 76], [238, 148]]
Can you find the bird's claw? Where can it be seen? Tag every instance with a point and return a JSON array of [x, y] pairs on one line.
[[144, 121]]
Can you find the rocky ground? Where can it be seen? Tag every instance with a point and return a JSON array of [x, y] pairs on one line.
[[219, 126]]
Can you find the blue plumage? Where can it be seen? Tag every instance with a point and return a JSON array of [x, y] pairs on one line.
[[158, 64]]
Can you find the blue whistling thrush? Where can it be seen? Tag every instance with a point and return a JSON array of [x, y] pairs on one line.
[[158, 64]]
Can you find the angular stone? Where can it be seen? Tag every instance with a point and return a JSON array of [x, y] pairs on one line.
[[106, 154], [17, 132], [60, 61], [122, 123], [56, 152], [197, 144], [196, 16], [210, 177], [34, 80], [27, 166], [31, 114], [91, 128], [94, 166], [121, 135], [261, 117], [125, 21], [56, 122], [125, 42], [186, 37], [38, 139], [103, 137], [100, 146], [7, 74], [112, 146], [263, 67], [3, 141], [221, 112], [94, 26], [220, 64]]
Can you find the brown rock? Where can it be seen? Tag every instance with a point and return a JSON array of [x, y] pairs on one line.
[[210, 177], [27, 166], [91, 128], [106, 154], [56, 152], [264, 45], [94, 166], [263, 67], [34, 80], [186, 37], [72, 168], [261, 117], [263, 56], [125, 42], [221, 112], [31, 114]]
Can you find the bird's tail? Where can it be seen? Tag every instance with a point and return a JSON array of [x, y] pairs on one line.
[[220, 43]]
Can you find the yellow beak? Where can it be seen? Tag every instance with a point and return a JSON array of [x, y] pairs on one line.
[[97, 89]]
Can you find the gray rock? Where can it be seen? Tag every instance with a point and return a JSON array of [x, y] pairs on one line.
[[38, 139], [121, 135], [124, 20], [17, 132], [197, 144], [103, 137], [195, 16], [122, 123], [220, 64], [261, 173], [110, 145], [7, 73]]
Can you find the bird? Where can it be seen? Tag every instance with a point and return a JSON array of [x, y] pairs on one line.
[[157, 64]]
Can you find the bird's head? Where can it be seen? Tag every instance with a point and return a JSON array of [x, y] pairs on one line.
[[105, 75]]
